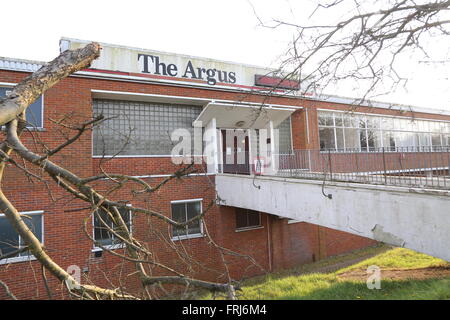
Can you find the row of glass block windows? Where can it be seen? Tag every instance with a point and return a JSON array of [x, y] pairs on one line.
[[342, 131], [139, 128]]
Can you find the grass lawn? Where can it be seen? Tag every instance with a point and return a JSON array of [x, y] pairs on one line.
[[405, 274]]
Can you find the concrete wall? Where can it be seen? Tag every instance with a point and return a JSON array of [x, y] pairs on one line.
[[412, 218]]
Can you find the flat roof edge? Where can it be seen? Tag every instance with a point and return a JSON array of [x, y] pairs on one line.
[[23, 65]]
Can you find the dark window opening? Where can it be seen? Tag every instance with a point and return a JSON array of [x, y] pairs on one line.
[[11, 241], [184, 211], [103, 222], [246, 218]]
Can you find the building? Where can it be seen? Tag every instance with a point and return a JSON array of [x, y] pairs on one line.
[[146, 95]]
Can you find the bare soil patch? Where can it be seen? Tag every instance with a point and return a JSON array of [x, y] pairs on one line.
[[437, 272]]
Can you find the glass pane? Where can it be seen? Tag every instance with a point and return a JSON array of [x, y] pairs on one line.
[[326, 138], [424, 139], [412, 125], [378, 140], [101, 233], [126, 216], [397, 124], [400, 139], [351, 139], [388, 141], [34, 222], [254, 219], [9, 238], [34, 111], [373, 122], [362, 122], [363, 139], [284, 136], [340, 138], [372, 139], [179, 215], [387, 123], [423, 126], [446, 140], [404, 124], [325, 118], [435, 127], [436, 140], [351, 121], [407, 141], [241, 218], [338, 120], [193, 209]]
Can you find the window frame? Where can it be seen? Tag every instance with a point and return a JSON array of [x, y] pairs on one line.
[[32, 128], [29, 257], [187, 236], [439, 129], [110, 246], [259, 226]]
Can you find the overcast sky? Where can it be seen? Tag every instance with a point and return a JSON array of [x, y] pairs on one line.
[[225, 30]]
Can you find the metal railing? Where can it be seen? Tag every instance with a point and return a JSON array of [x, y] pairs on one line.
[[401, 166]]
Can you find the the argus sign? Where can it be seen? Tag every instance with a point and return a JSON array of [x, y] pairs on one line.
[[161, 66], [153, 64]]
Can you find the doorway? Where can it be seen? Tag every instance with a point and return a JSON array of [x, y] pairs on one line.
[[235, 151]]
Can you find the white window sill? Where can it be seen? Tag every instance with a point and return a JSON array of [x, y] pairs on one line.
[[190, 236], [248, 228], [109, 247], [17, 259]]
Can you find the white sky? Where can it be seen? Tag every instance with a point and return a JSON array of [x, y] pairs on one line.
[[218, 29]]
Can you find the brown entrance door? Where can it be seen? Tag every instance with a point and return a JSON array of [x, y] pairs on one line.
[[235, 150]]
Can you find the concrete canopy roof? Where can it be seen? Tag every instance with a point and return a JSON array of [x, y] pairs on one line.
[[243, 116]]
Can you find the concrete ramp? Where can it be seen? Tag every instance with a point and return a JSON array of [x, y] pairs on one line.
[[417, 219]]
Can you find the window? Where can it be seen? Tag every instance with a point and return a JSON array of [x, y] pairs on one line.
[[139, 128], [247, 219], [183, 211], [11, 241], [327, 138], [359, 132], [284, 136], [101, 233], [34, 111]]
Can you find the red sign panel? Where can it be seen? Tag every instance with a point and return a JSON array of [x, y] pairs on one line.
[[276, 82]]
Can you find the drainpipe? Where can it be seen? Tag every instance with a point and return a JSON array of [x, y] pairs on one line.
[[269, 243]]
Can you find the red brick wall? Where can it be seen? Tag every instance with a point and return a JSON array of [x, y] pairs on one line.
[[275, 245]]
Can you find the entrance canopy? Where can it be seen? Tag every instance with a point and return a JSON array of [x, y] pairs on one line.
[[244, 116]]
